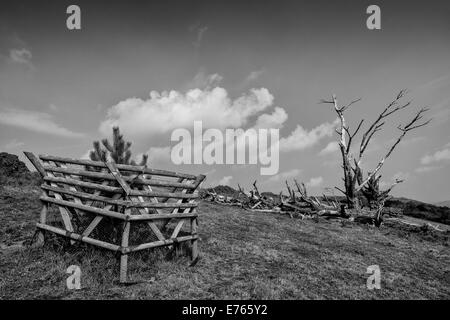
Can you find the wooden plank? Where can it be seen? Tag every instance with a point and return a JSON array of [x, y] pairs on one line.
[[172, 191], [111, 189], [92, 226], [124, 167], [79, 237], [125, 203], [151, 224], [160, 243], [65, 215], [194, 244], [124, 245], [98, 219], [75, 198], [177, 229], [84, 195], [43, 215], [163, 194], [108, 176], [36, 163], [144, 217], [72, 188], [116, 174], [103, 212], [84, 184], [156, 231]]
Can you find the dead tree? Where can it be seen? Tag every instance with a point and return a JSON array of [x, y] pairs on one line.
[[351, 165], [378, 196], [256, 190]]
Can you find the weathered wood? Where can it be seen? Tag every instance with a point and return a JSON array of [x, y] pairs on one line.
[[109, 176], [65, 215], [160, 243], [163, 194], [116, 174], [144, 217], [103, 212], [177, 229], [84, 184], [98, 219], [78, 237], [123, 167], [124, 187], [36, 163], [125, 203], [194, 244], [44, 211], [124, 255], [111, 189]]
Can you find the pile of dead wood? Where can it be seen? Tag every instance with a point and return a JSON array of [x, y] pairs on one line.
[[296, 204]]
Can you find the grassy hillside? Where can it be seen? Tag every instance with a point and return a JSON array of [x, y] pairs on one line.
[[244, 255]]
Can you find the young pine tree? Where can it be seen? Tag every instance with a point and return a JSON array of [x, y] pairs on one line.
[[119, 151]]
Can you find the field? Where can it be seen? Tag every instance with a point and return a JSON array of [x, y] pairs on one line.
[[244, 255]]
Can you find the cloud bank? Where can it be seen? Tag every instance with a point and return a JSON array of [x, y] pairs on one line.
[[166, 111], [34, 121]]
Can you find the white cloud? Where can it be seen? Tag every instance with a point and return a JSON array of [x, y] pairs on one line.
[[166, 111], [53, 107], [225, 181], [301, 139], [314, 182], [199, 32], [438, 156], [254, 75], [22, 56], [34, 121], [285, 175], [331, 147], [274, 120], [202, 80], [425, 169]]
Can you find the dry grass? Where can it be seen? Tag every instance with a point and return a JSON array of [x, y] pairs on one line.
[[244, 255]]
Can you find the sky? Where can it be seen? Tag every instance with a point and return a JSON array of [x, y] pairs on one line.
[[153, 67]]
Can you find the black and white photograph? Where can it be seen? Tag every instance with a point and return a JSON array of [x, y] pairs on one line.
[[212, 151]]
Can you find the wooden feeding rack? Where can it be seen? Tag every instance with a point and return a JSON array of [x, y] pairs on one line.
[[143, 202]]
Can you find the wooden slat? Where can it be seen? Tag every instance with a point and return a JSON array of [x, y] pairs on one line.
[[98, 219], [194, 248], [36, 163], [63, 203], [124, 167], [143, 217], [161, 243], [116, 174], [65, 215], [178, 195], [177, 229], [111, 189], [108, 176], [89, 185], [75, 198], [79, 237], [125, 203], [151, 224], [124, 244]]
